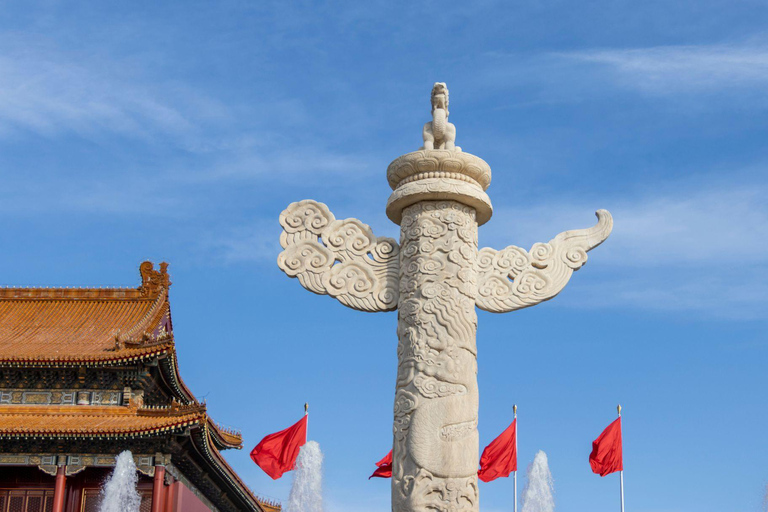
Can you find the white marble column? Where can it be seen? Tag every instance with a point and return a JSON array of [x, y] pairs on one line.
[[435, 277], [436, 403], [435, 431]]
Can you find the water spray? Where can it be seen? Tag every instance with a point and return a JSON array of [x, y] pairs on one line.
[[307, 489], [539, 491], [119, 493]]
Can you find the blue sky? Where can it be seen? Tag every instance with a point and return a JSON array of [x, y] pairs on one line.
[[178, 131]]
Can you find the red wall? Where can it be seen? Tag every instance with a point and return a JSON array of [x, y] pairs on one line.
[[86, 482], [181, 499]]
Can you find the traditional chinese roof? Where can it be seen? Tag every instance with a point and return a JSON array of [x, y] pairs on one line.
[[92, 327], [118, 328], [134, 422], [103, 421], [270, 505], [78, 325]]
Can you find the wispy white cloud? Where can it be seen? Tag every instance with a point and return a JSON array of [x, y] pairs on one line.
[[50, 92], [699, 248], [692, 247], [108, 196], [47, 92], [736, 295], [731, 73], [279, 164], [683, 225], [255, 242], [675, 69]]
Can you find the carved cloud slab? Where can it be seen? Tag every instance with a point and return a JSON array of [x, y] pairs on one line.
[[514, 278], [340, 258]]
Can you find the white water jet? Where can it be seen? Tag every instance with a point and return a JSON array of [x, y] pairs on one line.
[[539, 491], [119, 493], [307, 489]]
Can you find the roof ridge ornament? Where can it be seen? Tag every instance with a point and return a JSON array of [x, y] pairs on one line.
[[153, 280], [439, 133]]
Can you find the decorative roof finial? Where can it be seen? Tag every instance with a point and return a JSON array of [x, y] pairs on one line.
[[153, 280], [439, 133]]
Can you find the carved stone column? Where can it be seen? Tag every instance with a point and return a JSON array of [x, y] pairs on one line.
[[435, 277], [437, 200]]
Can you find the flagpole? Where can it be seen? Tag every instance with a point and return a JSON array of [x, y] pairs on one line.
[[306, 432], [517, 430], [621, 473]]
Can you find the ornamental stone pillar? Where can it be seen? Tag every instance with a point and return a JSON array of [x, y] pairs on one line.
[[439, 201], [435, 277]]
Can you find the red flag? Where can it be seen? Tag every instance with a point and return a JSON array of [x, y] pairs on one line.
[[384, 469], [606, 456], [499, 458], [277, 452]]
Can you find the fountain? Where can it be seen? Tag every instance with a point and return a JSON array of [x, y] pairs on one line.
[[538, 494], [119, 493], [306, 492]]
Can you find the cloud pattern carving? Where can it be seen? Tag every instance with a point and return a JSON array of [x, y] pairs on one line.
[[340, 258]]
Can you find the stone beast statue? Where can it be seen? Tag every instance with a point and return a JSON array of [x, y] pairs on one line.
[[439, 133]]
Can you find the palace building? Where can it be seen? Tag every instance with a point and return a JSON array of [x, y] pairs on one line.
[[86, 373]]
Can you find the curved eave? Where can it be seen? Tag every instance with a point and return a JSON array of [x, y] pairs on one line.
[[169, 372], [224, 439], [107, 359], [88, 422], [133, 434], [204, 444]]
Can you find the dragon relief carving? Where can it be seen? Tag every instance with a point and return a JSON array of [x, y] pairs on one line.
[[514, 278], [340, 258], [435, 432], [439, 133]]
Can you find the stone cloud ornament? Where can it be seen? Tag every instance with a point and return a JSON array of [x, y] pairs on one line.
[[435, 277]]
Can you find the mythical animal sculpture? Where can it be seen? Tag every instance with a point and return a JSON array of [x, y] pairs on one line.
[[439, 133]]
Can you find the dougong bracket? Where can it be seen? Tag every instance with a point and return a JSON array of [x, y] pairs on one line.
[[340, 258]]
